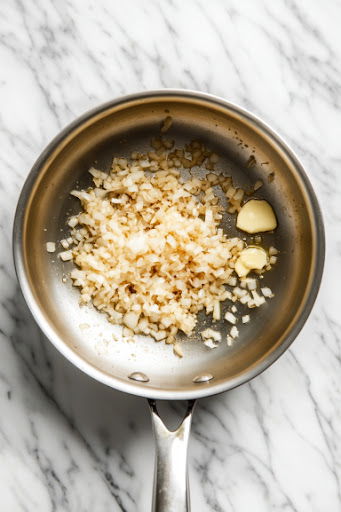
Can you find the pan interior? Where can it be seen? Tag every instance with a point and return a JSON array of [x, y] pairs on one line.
[[118, 130]]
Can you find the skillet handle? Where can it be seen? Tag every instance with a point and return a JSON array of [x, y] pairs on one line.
[[171, 491]]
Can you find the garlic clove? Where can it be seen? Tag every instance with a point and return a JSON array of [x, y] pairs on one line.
[[256, 216], [249, 259]]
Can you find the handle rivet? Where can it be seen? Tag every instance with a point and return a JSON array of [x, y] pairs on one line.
[[205, 377], [139, 377]]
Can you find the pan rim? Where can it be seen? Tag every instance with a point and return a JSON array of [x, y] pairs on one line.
[[134, 387]]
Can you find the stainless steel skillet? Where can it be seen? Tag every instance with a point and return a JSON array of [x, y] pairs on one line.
[[248, 150]]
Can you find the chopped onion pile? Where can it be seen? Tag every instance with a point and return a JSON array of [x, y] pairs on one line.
[[148, 248]]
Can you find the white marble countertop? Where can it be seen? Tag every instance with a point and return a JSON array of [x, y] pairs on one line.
[[70, 444]]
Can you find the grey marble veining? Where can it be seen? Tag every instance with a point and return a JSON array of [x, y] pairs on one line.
[[68, 443]]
